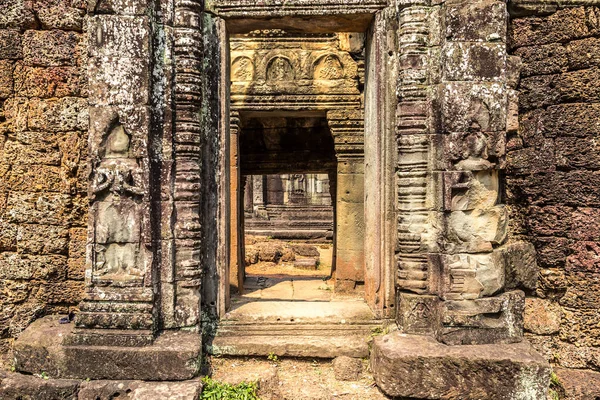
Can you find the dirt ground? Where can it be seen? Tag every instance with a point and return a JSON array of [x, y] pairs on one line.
[[295, 379]]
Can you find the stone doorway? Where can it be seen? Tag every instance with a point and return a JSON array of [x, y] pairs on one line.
[[311, 85]]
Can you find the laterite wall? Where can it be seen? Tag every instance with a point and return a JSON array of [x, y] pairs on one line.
[[43, 182], [553, 179]]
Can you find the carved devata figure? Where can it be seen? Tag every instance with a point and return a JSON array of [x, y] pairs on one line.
[[117, 191]]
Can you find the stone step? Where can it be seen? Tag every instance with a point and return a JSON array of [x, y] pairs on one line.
[[315, 329], [300, 342]]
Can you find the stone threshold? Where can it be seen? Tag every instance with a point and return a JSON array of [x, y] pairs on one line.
[[315, 329]]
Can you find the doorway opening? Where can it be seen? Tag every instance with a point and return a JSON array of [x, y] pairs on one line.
[[304, 113], [288, 211]]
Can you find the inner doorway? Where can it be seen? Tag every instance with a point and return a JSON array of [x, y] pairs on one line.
[[288, 167]]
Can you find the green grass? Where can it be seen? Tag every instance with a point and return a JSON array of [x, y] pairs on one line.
[[214, 390]]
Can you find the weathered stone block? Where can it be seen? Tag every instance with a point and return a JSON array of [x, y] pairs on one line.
[[16, 14], [549, 220], [574, 188], [537, 92], [565, 24], [552, 251], [137, 390], [582, 291], [26, 155], [583, 53], [477, 21], [118, 36], [475, 231], [121, 7], [59, 15], [58, 115], [10, 44], [578, 86], [585, 224], [581, 326], [419, 314], [36, 178], [542, 317], [531, 160], [38, 208], [486, 320], [543, 60], [474, 61], [583, 120], [118, 81], [578, 153], [42, 239], [172, 356], [66, 292], [135, 121], [23, 387], [496, 371], [579, 385], [53, 48], [465, 105], [8, 237], [471, 276], [521, 269], [347, 368], [47, 82], [27, 267], [6, 78]]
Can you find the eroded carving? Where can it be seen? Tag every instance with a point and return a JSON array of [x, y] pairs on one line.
[[280, 69], [329, 67], [242, 69], [117, 189]]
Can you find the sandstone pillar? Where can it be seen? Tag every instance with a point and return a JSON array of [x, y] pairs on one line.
[[118, 307], [248, 194], [455, 91], [258, 192], [236, 225], [347, 128]]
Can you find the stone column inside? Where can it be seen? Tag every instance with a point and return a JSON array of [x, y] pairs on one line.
[[236, 256], [347, 128], [258, 193]]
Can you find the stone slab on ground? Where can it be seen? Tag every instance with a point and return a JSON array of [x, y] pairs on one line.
[[173, 355], [27, 387], [136, 390], [347, 368], [499, 371], [264, 374], [579, 384], [312, 346], [16, 386]]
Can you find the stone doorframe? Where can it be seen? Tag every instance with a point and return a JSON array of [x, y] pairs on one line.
[[318, 77], [436, 231]]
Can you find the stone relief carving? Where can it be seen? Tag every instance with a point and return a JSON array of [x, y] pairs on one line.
[[242, 69], [329, 67], [117, 190], [280, 69]]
